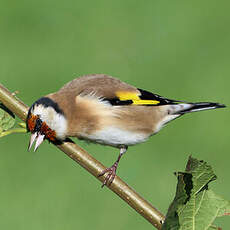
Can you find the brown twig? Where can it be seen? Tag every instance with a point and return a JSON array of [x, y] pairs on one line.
[[91, 165]]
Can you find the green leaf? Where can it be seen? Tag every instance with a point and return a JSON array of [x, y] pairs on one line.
[[195, 207], [7, 118]]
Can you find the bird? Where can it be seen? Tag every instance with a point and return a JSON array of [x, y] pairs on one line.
[[102, 109]]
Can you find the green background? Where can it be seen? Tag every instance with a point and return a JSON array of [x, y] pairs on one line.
[[178, 49]]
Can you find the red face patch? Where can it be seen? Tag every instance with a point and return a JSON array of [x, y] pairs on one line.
[[49, 133], [31, 122], [44, 129]]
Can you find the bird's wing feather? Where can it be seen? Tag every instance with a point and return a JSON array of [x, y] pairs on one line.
[[99, 84], [114, 91], [141, 97]]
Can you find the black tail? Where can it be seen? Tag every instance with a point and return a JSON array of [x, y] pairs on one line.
[[195, 107]]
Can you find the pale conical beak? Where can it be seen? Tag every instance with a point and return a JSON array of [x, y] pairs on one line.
[[39, 139], [32, 139]]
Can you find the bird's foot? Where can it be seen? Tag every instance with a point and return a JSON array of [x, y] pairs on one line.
[[111, 174]]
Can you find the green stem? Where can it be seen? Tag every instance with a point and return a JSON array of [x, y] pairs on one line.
[[11, 131], [22, 124]]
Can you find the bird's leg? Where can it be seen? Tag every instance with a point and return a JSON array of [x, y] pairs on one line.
[[112, 170]]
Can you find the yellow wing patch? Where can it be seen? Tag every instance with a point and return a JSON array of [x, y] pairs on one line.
[[125, 95], [134, 97], [145, 102]]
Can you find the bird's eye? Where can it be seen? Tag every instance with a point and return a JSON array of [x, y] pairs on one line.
[[38, 125]]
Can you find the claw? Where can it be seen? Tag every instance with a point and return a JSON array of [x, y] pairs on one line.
[[111, 174], [112, 170]]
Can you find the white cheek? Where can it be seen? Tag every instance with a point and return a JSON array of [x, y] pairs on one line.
[[54, 120]]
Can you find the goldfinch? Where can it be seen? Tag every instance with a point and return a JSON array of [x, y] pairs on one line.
[[102, 109]]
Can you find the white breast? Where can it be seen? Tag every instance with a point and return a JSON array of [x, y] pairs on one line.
[[116, 137]]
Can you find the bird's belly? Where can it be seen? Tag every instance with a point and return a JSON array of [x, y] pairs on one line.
[[116, 137]]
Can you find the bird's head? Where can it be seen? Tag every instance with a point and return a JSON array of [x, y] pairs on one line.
[[45, 120]]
